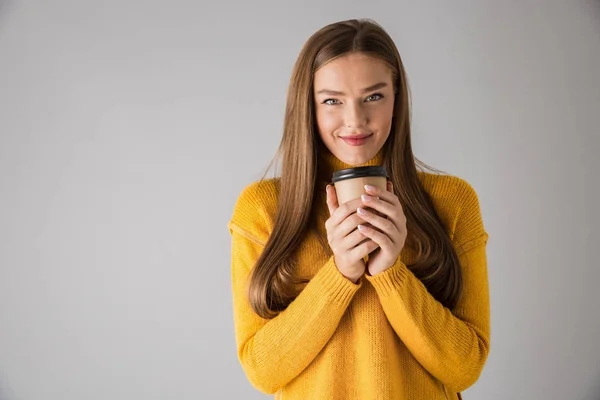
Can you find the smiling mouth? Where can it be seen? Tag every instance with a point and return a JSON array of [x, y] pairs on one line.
[[356, 140]]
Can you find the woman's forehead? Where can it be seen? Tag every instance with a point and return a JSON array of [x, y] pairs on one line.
[[354, 72]]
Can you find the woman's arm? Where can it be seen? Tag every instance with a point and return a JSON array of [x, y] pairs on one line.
[[273, 352], [452, 346]]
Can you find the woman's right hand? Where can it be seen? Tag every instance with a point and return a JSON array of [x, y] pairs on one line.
[[344, 238]]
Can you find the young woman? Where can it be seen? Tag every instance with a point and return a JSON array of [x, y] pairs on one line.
[[382, 297]]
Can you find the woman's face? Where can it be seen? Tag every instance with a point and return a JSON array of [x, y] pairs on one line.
[[354, 96]]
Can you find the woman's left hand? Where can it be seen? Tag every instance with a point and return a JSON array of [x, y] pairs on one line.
[[390, 233]]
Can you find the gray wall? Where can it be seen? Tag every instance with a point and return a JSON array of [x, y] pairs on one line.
[[128, 129]]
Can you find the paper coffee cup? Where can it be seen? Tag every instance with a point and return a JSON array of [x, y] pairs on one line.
[[350, 183]]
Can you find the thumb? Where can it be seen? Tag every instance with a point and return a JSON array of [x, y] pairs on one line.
[[332, 203]]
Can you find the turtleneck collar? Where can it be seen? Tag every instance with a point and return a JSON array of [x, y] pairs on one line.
[[328, 163]]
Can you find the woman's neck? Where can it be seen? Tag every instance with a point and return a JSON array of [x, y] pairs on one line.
[[328, 163]]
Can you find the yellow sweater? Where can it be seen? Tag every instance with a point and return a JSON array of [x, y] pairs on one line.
[[385, 337]]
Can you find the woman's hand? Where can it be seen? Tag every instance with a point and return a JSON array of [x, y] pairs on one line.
[[349, 245], [389, 234]]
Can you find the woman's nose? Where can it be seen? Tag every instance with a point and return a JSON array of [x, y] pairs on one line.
[[355, 116]]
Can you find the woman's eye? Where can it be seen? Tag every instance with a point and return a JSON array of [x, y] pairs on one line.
[[375, 96]]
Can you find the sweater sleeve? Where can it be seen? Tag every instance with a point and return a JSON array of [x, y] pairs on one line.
[[272, 352], [452, 345]]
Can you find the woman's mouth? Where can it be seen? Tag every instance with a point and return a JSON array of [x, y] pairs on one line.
[[356, 140]]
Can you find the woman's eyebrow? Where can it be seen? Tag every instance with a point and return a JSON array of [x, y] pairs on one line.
[[367, 89]]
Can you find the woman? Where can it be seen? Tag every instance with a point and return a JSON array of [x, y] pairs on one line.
[[382, 297]]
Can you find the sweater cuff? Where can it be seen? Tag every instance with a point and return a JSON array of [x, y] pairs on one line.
[[388, 281], [334, 285]]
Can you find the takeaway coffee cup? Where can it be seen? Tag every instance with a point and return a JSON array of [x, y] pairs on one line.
[[350, 183]]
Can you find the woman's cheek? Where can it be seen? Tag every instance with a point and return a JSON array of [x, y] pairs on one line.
[[329, 122]]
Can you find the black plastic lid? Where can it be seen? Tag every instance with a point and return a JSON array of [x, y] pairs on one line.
[[359, 172]]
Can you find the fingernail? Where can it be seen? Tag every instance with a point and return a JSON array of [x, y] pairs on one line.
[[370, 188], [364, 197], [361, 211]]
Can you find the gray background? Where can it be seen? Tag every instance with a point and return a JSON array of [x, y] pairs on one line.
[[128, 129]]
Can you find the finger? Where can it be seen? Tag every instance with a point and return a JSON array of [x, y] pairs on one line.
[[348, 242], [383, 207], [384, 225], [363, 249], [345, 210], [382, 194], [349, 225], [353, 239], [332, 203], [380, 238]]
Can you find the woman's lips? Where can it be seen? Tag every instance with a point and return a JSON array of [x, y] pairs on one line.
[[354, 141]]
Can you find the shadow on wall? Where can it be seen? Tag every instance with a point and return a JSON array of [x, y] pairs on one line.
[[595, 8], [594, 393], [4, 7], [6, 394]]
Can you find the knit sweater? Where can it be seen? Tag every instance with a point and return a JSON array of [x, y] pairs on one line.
[[383, 337]]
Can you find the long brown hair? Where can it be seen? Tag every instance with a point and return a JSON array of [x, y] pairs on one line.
[[273, 280]]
